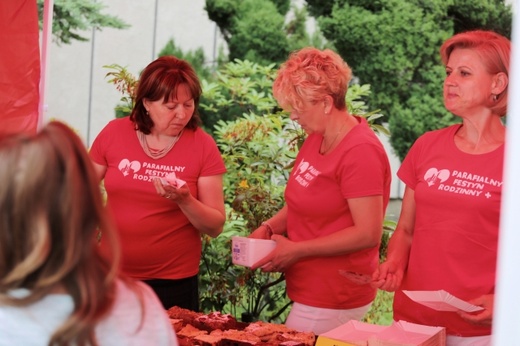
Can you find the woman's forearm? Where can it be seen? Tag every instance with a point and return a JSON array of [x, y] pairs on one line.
[[206, 219]]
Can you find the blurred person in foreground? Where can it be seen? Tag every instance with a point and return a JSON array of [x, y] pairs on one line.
[[336, 197], [447, 234], [163, 176], [55, 286]]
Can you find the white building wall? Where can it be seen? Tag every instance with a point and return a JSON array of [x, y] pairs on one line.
[[78, 92]]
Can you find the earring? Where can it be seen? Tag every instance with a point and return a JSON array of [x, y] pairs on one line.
[[495, 97]]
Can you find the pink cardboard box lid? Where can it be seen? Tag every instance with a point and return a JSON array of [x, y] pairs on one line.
[[400, 333]]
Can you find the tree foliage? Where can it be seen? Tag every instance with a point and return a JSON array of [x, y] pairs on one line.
[[71, 17], [196, 58], [393, 45], [262, 31], [237, 88], [253, 29]]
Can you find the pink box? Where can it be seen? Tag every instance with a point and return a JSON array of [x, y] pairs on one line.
[[248, 251], [400, 333]]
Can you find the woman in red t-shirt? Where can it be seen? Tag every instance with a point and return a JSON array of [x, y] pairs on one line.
[[336, 197], [447, 234], [163, 175]]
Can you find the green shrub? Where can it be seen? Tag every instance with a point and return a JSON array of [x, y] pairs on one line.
[[237, 88], [257, 153]]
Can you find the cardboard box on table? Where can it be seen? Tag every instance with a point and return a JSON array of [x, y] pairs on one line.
[[401, 333]]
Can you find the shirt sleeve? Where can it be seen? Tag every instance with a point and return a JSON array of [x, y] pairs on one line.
[[365, 172], [408, 167], [98, 148], [213, 162]]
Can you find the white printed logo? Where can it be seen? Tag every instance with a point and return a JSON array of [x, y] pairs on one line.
[[302, 167], [146, 171], [125, 166], [461, 182], [434, 176], [305, 173]]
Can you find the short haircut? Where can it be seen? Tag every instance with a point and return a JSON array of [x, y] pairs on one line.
[[310, 74], [161, 80], [494, 50]]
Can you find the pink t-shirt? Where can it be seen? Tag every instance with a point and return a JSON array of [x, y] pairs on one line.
[[158, 241], [316, 196], [455, 239]]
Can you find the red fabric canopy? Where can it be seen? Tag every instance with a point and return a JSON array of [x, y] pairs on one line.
[[19, 66]]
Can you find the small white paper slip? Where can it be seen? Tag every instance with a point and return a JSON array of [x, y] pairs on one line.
[[170, 179], [441, 301]]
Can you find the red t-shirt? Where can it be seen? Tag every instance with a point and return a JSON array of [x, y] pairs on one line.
[[157, 240], [316, 197], [454, 246]]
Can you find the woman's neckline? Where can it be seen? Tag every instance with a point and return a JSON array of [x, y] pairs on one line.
[[458, 143], [346, 128], [156, 153]]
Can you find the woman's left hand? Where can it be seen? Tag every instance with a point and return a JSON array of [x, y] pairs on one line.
[[282, 257], [483, 317]]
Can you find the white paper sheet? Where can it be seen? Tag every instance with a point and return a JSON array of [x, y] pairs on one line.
[[441, 301]]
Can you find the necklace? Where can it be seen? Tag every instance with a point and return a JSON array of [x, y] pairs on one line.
[[156, 153], [323, 151]]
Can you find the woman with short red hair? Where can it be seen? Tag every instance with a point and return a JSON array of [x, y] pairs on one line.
[[447, 234]]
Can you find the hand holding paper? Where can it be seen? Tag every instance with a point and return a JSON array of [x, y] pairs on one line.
[[171, 188], [484, 317], [171, 179], [441, 301]]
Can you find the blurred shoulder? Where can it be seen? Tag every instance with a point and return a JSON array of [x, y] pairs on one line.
[[118, 125]]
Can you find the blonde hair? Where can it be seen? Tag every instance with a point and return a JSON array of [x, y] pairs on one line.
[[310, 74], [50, 211], [495, 52]]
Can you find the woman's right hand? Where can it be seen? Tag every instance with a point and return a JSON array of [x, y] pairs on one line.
[[387, 277]]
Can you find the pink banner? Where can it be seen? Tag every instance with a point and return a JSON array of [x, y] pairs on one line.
[[19, 66]]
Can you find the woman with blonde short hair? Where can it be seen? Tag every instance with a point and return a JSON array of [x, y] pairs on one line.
[[336, 197]]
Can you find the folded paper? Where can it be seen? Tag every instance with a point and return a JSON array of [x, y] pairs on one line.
[[170, 179], [441, 301], [400, 333]]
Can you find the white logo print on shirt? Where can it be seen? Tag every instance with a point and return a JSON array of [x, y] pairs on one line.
[[151, 170], [463, 183], [125, 166], [305, 173], [433, 176]]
